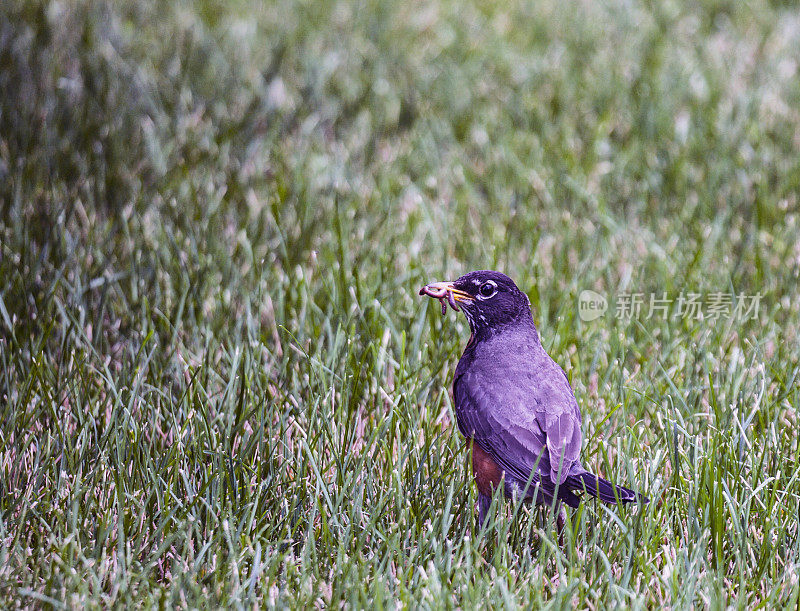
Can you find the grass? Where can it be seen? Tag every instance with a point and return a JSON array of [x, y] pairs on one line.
[[217, 383]]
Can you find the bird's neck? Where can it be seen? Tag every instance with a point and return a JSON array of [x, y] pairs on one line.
[[521, 327]]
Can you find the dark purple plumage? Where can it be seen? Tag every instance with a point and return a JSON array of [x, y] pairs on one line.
[[514, 402]]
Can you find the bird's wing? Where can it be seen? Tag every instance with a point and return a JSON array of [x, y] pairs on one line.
[[516, 415]]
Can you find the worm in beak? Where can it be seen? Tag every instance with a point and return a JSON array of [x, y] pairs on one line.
[[446, 293]]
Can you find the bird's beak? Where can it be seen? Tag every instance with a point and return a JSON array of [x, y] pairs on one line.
[[446, 292]]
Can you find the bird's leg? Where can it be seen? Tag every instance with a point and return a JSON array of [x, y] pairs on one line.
[[561, 521], [484, 502]]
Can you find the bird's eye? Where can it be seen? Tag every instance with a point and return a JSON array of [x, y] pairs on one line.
[[488, 289]]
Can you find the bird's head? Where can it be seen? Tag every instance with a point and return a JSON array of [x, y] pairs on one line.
[[490, 300]]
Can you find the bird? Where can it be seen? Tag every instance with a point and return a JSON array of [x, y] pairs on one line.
[[514, 403]]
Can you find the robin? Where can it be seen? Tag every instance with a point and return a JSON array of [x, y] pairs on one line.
[[514, 403]]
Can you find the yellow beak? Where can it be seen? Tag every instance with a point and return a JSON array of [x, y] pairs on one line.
[[440, 290]]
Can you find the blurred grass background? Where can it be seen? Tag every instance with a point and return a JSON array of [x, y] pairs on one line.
[[217, 383]]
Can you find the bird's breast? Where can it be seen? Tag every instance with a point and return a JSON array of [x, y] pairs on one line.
[[487, 472]]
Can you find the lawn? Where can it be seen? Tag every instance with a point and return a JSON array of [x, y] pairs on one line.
[[218, 385]]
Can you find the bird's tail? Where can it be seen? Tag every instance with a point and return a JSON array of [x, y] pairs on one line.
[[603, 489]]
